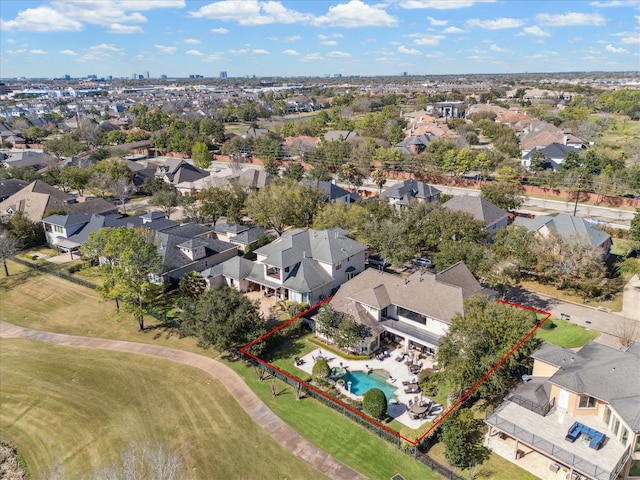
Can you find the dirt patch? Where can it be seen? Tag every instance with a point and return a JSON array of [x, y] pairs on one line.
[[10, 468]]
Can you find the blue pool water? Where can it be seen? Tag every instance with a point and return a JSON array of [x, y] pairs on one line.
[[361, 383]]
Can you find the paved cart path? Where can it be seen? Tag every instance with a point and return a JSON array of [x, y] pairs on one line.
[[249, 401]]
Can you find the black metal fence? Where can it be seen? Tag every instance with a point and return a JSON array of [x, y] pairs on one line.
[[355, 415], [57, 273]]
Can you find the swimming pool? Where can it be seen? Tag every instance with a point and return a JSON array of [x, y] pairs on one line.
[[361, 382]]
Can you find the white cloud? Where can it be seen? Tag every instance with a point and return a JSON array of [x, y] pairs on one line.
[[327, 37], [100, 52], [497, 24], [612, 49], [291, 52], [220, 31], [241, 51], [409, 51], [632, 40], [195, 53], [496, 48], [192, 41], [437, 23], [250, 12], [293, 38], [357, 14], [571, 19], [615, 3], [534, 31], [38, 52], [261, 51], [440, 4], [338, 54], [214, 57], [166, 50], [124, 29], [71, 15], [41, 19], [329, 42], [69, 53], [450, 30], [312, 57], [426, 39], [20, 51]]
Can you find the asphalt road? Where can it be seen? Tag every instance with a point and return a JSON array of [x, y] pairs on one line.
[[589, 317]]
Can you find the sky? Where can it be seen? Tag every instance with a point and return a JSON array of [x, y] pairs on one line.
[[179, 38]]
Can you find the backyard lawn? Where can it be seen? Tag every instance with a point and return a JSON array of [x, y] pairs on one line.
[[566, 334], [81, 408]]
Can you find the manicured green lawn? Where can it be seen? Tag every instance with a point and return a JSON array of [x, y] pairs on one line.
[[566, 334], [82, 407]]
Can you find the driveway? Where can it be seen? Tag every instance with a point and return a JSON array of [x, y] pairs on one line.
[[588, 317]]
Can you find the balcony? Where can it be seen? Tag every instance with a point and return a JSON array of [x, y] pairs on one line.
[[549, 439]]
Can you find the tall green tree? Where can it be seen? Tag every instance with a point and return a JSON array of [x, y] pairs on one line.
[[212, 203], [635, 226], [275, 206], [200, 155], [130, 262], [504, 195], [167, 200], [486, 333], [223, 319], [9, 246], [462, 436]]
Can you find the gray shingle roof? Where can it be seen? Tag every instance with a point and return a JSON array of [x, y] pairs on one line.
[[607, 374], [410, 189], [567, 226], [480, 208]]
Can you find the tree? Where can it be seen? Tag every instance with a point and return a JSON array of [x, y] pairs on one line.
[[129, 262], [200, 155], [635, 226], [321, 370], [212, 203], [222, 318], [350, 333], [462, 437], [379, 178], [236, 200], [374, 403], [9, 246], [64, 146], [486, 333], [327, 321], [123, 189], [274, 206], [28, 233], [271, 166], [167, 200], [192, 286], [503, 195], [351, 174], [539, 161], [294, 171]]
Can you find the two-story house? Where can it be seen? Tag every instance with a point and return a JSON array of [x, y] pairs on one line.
[[578, 414], [302, 266], [415, 311], [410, 190]]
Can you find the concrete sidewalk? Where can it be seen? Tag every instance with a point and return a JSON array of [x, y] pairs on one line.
[[249, 401]]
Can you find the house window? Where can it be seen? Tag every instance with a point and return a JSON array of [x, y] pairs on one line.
[[587, 402], [413, 316], [615, 426], [58, 229], [634, 471], [338, 266], [625, 436], [637, 447], [350, 275], [606, 418]]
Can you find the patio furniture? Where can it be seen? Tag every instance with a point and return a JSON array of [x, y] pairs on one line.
[[573, 432]]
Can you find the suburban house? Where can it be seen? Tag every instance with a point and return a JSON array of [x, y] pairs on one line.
[[413, 144], [38, 198], [492, 216], [10, 186], [250, 178], [302, 266], [567, 227], [579, 410], [401, 194], [334, 135], [191, 248], [332, 192], [415, 311], [242, 236], [176, 170], [554, 155], [66, 233]]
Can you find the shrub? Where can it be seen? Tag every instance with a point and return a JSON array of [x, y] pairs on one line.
[[321, 371], [74, 268], [374, 403], [548, 325]]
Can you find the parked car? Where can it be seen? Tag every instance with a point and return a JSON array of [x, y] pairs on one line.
[[422, 262], [378, 261]]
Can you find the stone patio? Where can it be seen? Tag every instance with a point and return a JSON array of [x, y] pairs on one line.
[[398, 372]]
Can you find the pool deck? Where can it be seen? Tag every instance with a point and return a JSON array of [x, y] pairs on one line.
[[398, 373]]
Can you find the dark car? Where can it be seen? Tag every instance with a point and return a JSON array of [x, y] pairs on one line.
[[422, 262], [377, 261]]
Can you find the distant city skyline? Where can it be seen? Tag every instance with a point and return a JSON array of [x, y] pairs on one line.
[[178, 38]]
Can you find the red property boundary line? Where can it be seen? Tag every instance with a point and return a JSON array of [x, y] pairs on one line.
[[414, 443]]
